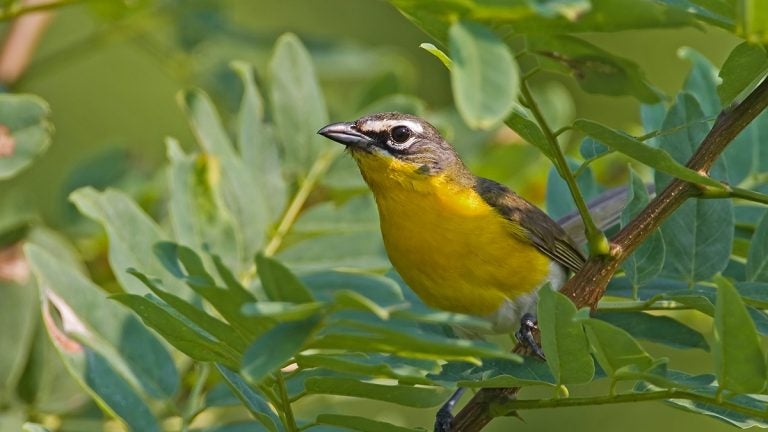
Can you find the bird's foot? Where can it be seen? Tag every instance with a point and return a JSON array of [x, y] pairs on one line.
[[444, 417], [525, 335]]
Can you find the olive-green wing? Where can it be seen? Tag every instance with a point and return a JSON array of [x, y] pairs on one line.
[[531, 224]]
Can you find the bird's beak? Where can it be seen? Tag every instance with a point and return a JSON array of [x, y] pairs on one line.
[[346, 133]]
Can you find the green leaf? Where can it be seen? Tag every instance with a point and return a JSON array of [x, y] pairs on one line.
[[704, 384], [360, 250], [519, 120], [25, 131], [416, 397], [361, 423], [435, 51], [656, 328], [90, 320], [496, 373], [701, 81], [279, 283], [115, 395], [559, 199], [131, 235], [258, 145], [647, 260], [652, 118], [698, 236], [714, 12], [752, 21], [632, 147], [380, 289], [298, 104], [198, 215], [210, 324], [179, 331], [757, 260], [484, 77], [595, 70], [283, 311], [614, 348], [251, 399], [747, 155], [18, 311], [244, 198], [739, 360], [404, 338], [745, 65], [227, 301], [563, 339], [591, 148], [406, 371], [435, 17], [275, 347]]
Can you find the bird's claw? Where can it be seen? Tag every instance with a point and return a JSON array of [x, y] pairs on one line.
[[525, 335]]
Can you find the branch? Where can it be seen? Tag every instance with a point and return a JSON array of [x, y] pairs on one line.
[[588, 285]]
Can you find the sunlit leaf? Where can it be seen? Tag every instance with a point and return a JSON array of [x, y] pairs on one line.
[[298, 104], [656, 328], [752, 21], [244, 198], [253, 401], [132, 234], [25, 131], [594, 69], [279, 283], [484, 76], [275, 347], [614, 348], [657, 158], [739, 360], [417, 397], [258, 145], [746, 64], [563, 339]]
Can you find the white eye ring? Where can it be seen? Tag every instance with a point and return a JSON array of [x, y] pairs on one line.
[[401, 136]]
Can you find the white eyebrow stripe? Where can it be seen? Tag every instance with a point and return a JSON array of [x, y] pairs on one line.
[[385, 125]]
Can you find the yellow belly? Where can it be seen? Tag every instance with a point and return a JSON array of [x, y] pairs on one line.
[[449, 246]]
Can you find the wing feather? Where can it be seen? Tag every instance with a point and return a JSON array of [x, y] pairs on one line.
[[531, 224]]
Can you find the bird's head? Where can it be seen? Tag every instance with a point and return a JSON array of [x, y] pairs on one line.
[[395, 141]]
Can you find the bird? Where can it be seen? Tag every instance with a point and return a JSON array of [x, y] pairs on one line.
[[461, 242]]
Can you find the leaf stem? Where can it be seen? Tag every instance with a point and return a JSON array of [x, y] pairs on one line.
[[321, 165], [194, 406], [598, 243], [736, 192], [290, 420], [505, 407], [640, 305]]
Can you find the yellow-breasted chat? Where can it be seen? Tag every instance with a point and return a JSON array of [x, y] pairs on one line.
[[463, 243]]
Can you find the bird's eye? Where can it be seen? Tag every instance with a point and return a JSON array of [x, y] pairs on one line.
[[400, 134]]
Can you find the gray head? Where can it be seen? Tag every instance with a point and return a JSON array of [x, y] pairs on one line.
[[402, 136]]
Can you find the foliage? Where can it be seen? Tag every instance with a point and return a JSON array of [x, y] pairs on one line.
[[263, 282]]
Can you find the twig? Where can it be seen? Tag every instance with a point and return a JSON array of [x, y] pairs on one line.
[[598, 244], [587, 287]]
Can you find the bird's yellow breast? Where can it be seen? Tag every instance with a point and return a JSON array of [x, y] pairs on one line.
[[453, 249]]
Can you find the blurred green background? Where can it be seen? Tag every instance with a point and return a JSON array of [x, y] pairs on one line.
[[111, 78]]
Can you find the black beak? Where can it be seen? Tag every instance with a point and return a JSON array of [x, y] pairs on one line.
[[346, 133]]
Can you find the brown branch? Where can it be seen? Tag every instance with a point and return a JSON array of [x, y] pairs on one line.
[[588, 285]]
